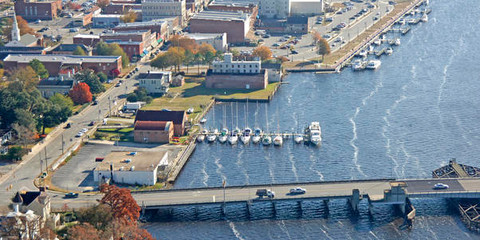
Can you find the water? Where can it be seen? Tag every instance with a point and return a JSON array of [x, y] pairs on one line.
[[409, 117]]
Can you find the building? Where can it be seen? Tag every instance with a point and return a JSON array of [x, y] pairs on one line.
[[68, 49], [217, 40], [26, 40], [55, 64], [49, 88], [106, 20], [299, 25], [32, 10], [135, 44], [153, 131], [138, 168], [115, 8], [89, 40], [245, 7], [159, 27], [230, 74], [274, 8], [235, 24], [177, 81], [306, 7], [155, 82], [85, 19], [177, 117], [157, 9]]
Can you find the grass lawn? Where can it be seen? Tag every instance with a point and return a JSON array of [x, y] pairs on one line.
[[117, 134]]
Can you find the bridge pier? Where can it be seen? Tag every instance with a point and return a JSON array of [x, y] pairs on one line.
[[354, 200], [274, 209], [247, 208], [325, 205], [300, 210], [224, 211], [195, 212]]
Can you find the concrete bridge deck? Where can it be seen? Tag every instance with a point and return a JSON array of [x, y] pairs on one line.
[[374, 190]]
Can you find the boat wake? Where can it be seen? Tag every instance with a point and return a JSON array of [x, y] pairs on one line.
[[270, 168], [219, 169], [244, 169], [462, 130], [284, 229], [294, 169], [205, 174], [312, 159], [234, 230]]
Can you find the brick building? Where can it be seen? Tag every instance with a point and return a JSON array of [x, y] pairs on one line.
[[177, 117], [159, 27], [235, 24], [157, 9], [86, 39], [55, 64], [121, 8], [38, 10], [153, 131]]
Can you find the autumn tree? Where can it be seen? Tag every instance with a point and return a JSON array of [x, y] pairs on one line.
[[80, 93], [73, 6], [89, 77], [129, 17], [161, 61], [282, 59], [99, 216], [112, 49], [83, 231], [26, 76], [39, 68], [124, 207], [323, 48], [103, 3], [263, 52], [79, 51], [176, 56], [23, 26], [316, 37], [184, 42]]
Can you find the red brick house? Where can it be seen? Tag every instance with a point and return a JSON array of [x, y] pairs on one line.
[[153, 131], [38, 10], [177, 117]]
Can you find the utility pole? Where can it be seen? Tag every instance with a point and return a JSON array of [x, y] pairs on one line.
[[41, 163], [46, 160], [109, 107], [63, 144]]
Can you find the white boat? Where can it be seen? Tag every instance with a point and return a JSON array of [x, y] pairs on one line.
[[212, 136], [246, 136], [314, 133], [359, 65], [362, 53], [424, 18], [200, 138], [203, 120], [190, 110], [389, 51], [411, 21], [298, 139], [257, 135], [402, 21], [370, 48], [377, 41], [396, 42], [373, 64], [267, 140], [278, 140], [233, 138], [223, 137]]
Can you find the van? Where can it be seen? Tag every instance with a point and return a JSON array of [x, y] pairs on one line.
[[265, 193]]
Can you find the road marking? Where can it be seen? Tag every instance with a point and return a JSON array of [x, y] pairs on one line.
[[213, 197]]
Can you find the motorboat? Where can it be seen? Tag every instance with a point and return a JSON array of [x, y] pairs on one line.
[[373, 64], [359, 65], [246, 136], [314, 133], [212, 136], [257, 135], [233, 138], [298, 139], [370, 48], [389, 51], [402, 21], [397, 42], [363, 53], [267, 140], [411, 21], [190, 110], [203, 120], [200, 138], [377, 41], [278, 140], [424, 18]]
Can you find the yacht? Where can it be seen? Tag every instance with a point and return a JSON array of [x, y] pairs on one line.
[[200, 137], [203, 120], [363, 53], [298, 138], [358, 65], [257, 134], [190, 110], [278, 140], [246, 136], [402, 21], [212, 136], [373, 64], [424, 18], [377, 41], [396, 42], [389, 51], [223, 136], [233, 138], [314, 133], [267, 140]]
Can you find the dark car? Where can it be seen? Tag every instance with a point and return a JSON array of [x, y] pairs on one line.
[[71, 195], [91, 123], [294, 52], [95, 102], [69, 125]]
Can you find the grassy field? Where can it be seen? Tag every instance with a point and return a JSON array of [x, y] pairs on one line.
[[114, 134], [194, 94]]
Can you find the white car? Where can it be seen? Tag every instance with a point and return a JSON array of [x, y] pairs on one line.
[[79, 134], [440, 186], [298, 190], [84, 130]]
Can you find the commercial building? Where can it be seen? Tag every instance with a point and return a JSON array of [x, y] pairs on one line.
[[159, 27], [155, 82], [157, 9], [121, 8], [110, 65], [153, 131], [135, 44], [85, 19], [68, 49], [274, 8], [306, 7], [235, 24], [245, 7], [217, 40], [299, 25], [139, 168], [236, 74], [86, 39], [177, 117], [31, 10], [106, 20]]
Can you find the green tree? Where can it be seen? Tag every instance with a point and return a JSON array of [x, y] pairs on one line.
[[112, 49], [176, 55], [26, 76], [162, 61], [39, 68], [323, 48], [15, 153], [98, 216], [102, 77], [189, 58], [93, 81], [79, 51]]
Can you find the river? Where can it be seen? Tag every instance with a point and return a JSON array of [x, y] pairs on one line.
[[414, 114]]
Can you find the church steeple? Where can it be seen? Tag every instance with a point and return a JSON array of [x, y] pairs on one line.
[[15, 30]]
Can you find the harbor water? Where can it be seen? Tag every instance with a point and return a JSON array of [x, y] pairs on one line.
[[409, 117]]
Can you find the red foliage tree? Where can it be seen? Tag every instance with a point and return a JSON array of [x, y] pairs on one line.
[[120, 230], [83, 231], [124, 206], [73, 6], [80, 93]]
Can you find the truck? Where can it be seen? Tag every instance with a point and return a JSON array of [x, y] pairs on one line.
[[265, 193]]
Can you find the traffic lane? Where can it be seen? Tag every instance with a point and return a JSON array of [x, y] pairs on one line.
[[470, 184], [415, 186]]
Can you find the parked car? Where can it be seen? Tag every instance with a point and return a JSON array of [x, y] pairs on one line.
[[265, 193], [91, 123], [275, 45], [73, 29], [69, 125], [71, 195], [95, 102], [440, 186], [79, 134], [294, 52], [297, 190], [118, 84]]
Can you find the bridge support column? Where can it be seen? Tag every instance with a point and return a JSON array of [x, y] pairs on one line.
[[195, 212], [300, 210], [247, 208], [274, 209], [354, 200], [224, 211], [325, 204]]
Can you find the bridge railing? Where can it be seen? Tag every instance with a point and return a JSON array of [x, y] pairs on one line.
[[445, 194]]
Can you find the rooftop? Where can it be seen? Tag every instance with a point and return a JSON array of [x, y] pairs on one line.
[[139, 32], [152, 75], [200, 36], [65, 59], [221, 16], [153, 125], [158, 115], [124, 161], [87, 36], [56, 83], [140, 24]]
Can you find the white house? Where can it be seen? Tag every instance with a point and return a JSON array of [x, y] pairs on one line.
[[239, 67], [155, 82], [217, 40], [134, 168]]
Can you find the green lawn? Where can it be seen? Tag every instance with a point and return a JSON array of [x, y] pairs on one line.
[[116, 134]]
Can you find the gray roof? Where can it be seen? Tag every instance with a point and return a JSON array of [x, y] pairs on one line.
[[221, 16], [65, 59]]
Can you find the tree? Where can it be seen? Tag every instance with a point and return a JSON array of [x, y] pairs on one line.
[[102, 77], [263, 52], [316, 37], [23, 26], [113, 49], [80, 93], [58, 110], [16, 153], [83, 231], [99, 216], [79, 51], [39, 68], [189, 58], [282, 59], [124, 207], [103, 3], [184, 42], [24, 134], [73, 6], [93, 81], [162, 61], [139, 94], [206, 48], [235, 52], [129, 17], [323, 48], [26, 76], [176, 55]]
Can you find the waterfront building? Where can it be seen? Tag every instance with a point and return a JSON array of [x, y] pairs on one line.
[[153, 131], [274, 8], [306, 7], [228, 65]]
